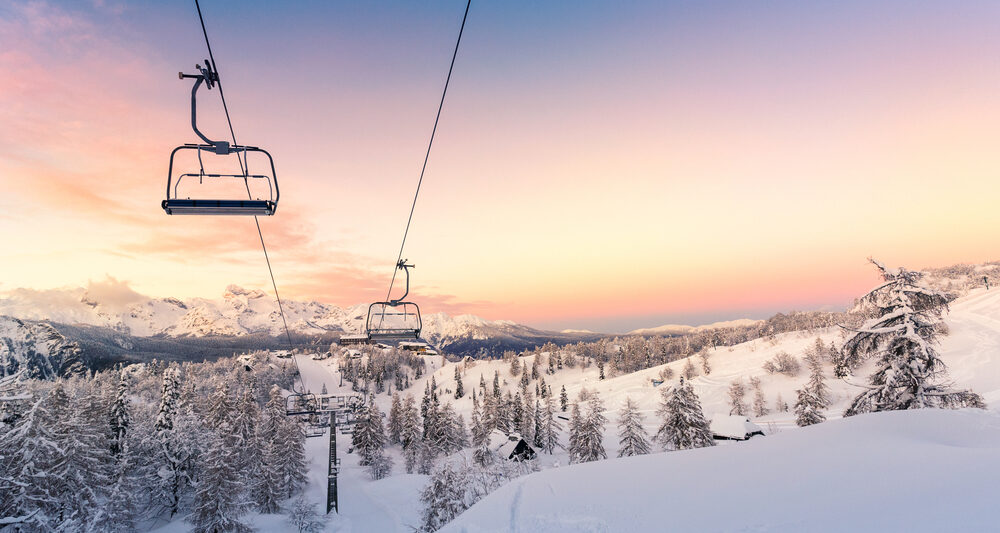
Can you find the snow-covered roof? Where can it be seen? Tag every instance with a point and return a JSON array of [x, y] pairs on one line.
[[732, 426]]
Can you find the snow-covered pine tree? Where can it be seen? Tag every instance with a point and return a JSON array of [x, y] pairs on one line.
[[476, 424], [807, 408], [538, 431], [119, 419], [29, 451], [516, 409], [369, 438], [589, 435], [451, 433], [293, 457], [172, 456], [780, 405], [444, 497], [737, 395], [411, 435], [901, 337], [459, 388], [247, 445], [82, 435], [683, 423], [426, 455], [689, 371], [704, 354], [632, 438], [815, 396], [219, 503], [395, 426], [271, 486], [563, 399], [759, 402], [551, 426], [120, 509], [304, 516]]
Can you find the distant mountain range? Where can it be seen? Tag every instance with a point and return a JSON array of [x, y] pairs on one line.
[[99, 329], [680, 329], [108, 329]]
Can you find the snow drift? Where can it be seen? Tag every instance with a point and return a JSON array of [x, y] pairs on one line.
[[922, 470]]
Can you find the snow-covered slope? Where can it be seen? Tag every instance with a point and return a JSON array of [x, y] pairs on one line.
[[926, 470], [36, 348], [837, 476]]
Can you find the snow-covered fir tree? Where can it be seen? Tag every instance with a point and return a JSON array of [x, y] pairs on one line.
[[689, 371], [395, 425], [173, 458], [304, 517], [444, 497], [683, 425], [219, 501], [551, 426], [538, 430], [271, 485], [759, 402], [737, 398], [29, 453], [814, 398], [411, 434], [587, 424], [704, 354], [901, 337], [632, 438], [369, 438], [247, 445], [780, 405], [120, 419], [563, 399], [459, 387]]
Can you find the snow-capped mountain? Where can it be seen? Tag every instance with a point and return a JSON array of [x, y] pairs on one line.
[[680, 329], [247, 311], [38, 349]]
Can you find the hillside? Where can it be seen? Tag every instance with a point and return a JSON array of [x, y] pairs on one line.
[[858, 474], [960, 442]]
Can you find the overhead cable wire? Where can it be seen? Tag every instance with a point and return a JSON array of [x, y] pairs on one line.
[[244, 170], [427, 155]]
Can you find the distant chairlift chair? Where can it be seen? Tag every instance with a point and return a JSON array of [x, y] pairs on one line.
[[175, 205], [395, 319], [301, 403]]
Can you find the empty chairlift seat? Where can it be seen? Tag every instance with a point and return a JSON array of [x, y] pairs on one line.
[[395, 319], [237, 198]]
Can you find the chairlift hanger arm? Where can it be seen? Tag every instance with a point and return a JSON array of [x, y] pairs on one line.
[[402, 265], [209, 76]]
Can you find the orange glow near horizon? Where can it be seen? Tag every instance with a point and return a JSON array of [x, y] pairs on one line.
[[593, 169]]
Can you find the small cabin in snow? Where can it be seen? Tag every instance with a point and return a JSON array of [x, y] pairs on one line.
[[511, 447], [733, 427]]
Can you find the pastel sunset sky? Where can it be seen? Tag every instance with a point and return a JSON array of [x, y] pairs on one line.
[[600, 165]]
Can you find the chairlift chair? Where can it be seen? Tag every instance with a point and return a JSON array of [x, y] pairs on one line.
[[301, 403], [395, 319], [175, 204]]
